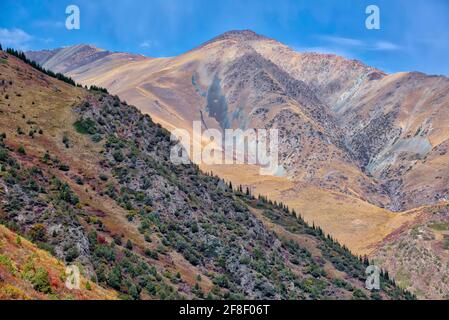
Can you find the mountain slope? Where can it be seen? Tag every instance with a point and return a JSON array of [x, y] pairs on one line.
[[373, 132], [417, 255], [87, 177], [27, 272], [328, 144], [362, 151]]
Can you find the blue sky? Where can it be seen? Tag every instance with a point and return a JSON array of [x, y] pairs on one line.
[[414, 34]]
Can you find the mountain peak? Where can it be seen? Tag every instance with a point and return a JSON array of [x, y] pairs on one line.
[[238, 35], [85, 46]]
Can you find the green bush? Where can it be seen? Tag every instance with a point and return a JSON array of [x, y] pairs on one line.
[[85, 126], [64, 167], [151, 254], [41, 281], [21, 150], [7, 263], [38, 233], [118, 156], [72, 254], [3, 154]]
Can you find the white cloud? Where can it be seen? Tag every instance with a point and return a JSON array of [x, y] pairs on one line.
[[48, 24], [148, 44], [385, 46], [356, 44], [349, 48], [19, 39], [344, 41], [16, 38]]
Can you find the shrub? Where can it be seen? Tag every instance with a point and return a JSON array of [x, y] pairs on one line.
[[85, 126], [21, 150], [359, 295], [114, 279], [38, 233], [47, 247], [66, 141], [41, 281], [3, 154], [221, 281], [118, 156], [64, 167], [79, 181], [7, 263], [65, 193], [151, 254], [97, 138], [99, 89], [72, 254]]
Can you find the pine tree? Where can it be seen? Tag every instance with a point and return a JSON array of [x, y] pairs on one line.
[[1, 49]]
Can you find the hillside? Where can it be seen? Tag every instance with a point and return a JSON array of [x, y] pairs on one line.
[[417, 255], [29, 273], [87, 178]]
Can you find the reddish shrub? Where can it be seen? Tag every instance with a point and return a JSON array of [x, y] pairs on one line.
[[101, 239]]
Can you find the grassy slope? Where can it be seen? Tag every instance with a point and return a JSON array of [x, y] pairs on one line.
[[21, 263], [417, 255]]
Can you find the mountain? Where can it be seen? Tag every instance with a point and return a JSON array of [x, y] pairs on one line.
[[364, 152], [88, 179]]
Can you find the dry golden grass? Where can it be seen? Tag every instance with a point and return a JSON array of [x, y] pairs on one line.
[[355, 223]]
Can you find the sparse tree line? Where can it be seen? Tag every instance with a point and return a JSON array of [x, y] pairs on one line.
[[317, 231], [21, 55]]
